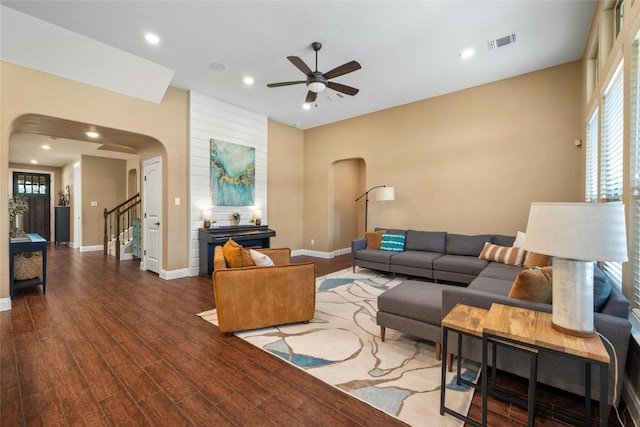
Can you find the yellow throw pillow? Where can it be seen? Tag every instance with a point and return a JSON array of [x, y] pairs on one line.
[[534, 259], [533, 285], [374, 239], [235, 255]]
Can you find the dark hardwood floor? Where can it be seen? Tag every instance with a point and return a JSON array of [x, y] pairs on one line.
[[110, 344]]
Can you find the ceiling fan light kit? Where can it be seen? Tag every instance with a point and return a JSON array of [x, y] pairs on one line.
[[317, 81]]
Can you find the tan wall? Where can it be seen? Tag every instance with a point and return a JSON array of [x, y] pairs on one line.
[[467, 162], [285, 184], [103, 181], [26, 91]]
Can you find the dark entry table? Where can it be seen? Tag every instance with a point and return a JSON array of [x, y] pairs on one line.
[[33, 243]]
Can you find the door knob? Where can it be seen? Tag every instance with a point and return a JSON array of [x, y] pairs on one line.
[[157, 223]]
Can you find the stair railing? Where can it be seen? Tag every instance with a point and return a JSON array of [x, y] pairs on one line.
[[118, 223]]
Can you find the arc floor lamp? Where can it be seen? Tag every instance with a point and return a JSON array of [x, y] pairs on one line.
[[386, 193]]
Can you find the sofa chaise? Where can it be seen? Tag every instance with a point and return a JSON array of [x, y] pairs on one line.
[[455, 263]]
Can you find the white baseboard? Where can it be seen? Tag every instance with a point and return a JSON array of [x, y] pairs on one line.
[[632, 401], [319, 254], [93, 248], [174, 274], [5, 304]]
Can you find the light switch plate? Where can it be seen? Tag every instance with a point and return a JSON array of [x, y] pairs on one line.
[[94, 203]]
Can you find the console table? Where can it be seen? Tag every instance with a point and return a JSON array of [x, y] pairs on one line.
[[34, 243], [254, 236]]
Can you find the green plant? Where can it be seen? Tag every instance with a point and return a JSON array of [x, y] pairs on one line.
[[17, 206], [235, 216]]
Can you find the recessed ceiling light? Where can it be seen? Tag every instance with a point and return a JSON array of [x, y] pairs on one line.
[[46, 147], [306, 106], [92, 134], [467, 53], [217, 66], [34, 162], [152, 38], [248, 80]]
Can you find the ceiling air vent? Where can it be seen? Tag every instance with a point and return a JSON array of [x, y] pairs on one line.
[[502, 41]]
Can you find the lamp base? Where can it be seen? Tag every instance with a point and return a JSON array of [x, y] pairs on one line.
[[583, 334], [573, 297], [207, 223]]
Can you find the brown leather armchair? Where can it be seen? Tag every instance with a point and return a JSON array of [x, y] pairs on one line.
[[257, 297]]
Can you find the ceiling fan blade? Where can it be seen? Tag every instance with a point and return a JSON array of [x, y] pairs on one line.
[[348, 90], [286, 83], [342, 70], [300, 65], [311, 96]]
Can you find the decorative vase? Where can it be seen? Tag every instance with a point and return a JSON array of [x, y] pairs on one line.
[[235, 221]]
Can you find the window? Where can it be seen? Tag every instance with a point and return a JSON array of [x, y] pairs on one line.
[[591, 148], [619, 17], [611, 153], [634, 200]]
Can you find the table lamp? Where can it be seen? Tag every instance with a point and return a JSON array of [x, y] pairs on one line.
[[206, 216], [576, 235], [257, 217]]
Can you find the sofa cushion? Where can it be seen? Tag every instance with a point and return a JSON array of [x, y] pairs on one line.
[[260, 259], [534, 259], [392, 242], [601, 288], [392, 231], [374, 255], [504, 254], [491, 285], [460, 244], [414, 299], [470, 265], [374, 239], [417, 259], [497, 270], [428, 241], [533, 285], [235, 255], [503, 240]]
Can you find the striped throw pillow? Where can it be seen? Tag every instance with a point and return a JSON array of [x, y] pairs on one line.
[[392, 242], [509, 255]]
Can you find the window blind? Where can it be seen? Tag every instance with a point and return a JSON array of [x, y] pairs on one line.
[[634, 170], [611, 152], [591, 169]]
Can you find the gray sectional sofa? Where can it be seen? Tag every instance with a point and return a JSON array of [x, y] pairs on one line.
[[418, 306]]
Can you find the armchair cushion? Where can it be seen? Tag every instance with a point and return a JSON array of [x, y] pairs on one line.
[[235, 255], [260, 259]]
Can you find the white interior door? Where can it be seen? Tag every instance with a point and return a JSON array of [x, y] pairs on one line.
[[77, 206], [152, 245]]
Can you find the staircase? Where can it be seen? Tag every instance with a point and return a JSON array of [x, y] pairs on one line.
[[122, 229]]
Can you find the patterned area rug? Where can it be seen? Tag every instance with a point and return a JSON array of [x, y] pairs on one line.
[[341, 346]]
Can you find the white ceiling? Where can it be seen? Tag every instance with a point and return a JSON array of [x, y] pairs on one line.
[[408, 49]]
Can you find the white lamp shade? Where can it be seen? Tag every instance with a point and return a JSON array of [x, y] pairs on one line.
[[386, 193], [579, 231], [257, 214], [206, 215]]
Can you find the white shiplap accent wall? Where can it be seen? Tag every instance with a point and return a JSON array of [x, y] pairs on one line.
[[210, 118]]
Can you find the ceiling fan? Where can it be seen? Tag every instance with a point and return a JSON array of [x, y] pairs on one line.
[[316, 81]]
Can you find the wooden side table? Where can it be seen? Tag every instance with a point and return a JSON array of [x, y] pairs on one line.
[[529, 329], [466, 320]]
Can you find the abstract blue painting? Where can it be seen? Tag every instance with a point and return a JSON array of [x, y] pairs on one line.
[[233, 174]]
